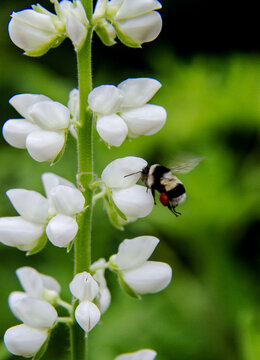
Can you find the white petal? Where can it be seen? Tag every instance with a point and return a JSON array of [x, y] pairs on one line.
[[135, 252], [137, 92], [31, 281], [24, 340], [134, 202], [67, 200], [50, 115], [112, 129], [13, 298], [151, 277], [103, 300], [73, 103], [143, 28], [133, 8], [61, 230], [34, 312], [105, 99], [51, 180], [31, 30], [22, 102], [114, 173], [51, 284], [44, 145], [77, 31], [100, 9], [145, 120], [31, 205], [84, 287], [87, 315], [15, 132], [18, 232], [145, 354]]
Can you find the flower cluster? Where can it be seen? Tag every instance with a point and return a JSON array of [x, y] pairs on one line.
[[123, 110], [43, 129], [134, 201], [131, 264], [33, 308], [37, 30], [54, 214], [134, 22]]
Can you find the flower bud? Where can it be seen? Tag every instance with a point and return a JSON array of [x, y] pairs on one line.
[[67, 200]]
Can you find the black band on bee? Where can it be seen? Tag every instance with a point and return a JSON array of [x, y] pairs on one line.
[[177, 191], [159, 171]]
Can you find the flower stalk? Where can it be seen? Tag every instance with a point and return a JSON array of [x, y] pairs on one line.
[[82, 247]]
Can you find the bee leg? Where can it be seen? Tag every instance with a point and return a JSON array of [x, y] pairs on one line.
[[172, 208], [153, 193]]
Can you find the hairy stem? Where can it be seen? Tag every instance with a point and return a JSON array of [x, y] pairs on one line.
[[82, 250]]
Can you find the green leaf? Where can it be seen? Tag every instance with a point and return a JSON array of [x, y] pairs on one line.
[[126, 288], [40, 245]]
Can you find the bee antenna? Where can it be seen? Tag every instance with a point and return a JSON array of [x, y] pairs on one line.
[[132, 174]]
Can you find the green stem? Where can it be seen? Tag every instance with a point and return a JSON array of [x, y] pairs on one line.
[[82, 247]]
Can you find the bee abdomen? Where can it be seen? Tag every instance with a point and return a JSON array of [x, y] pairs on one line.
[[177, 191]]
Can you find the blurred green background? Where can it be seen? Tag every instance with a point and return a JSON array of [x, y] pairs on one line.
[[211, 92]]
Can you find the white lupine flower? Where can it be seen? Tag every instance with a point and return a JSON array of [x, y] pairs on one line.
[[103, 296], [55, 214], [146, 354], [139, 274], [24, 340], [43, 129], [31, 307], [35, 32], [85, 289], [135, 201], [76, 21], [123, 110], [135, 21]]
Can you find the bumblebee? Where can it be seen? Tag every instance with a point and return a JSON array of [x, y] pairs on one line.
[[160, 178]]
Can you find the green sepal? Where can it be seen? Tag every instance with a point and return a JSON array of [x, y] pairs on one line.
[[117, 218], [126, 40], [126, 288], [60, 154], [104, 36], [40, 245], [56, 41], [70, 246], [42, 350]]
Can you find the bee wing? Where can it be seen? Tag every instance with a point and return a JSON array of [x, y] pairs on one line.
[[186, 166]]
